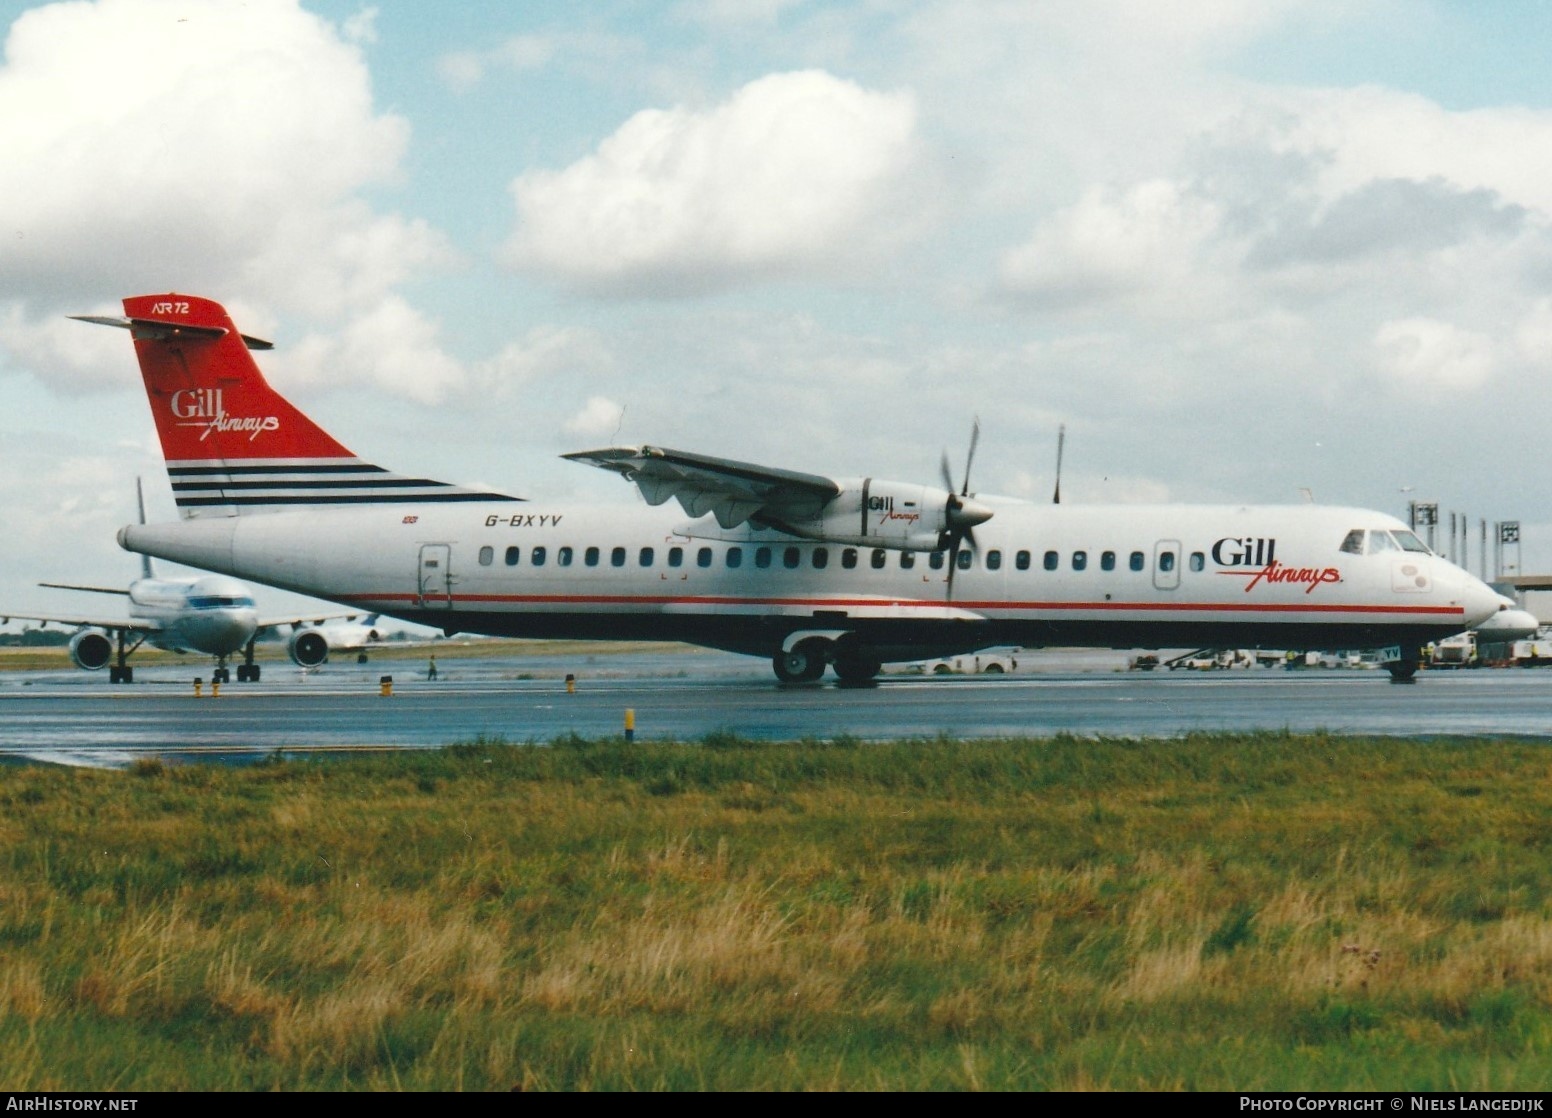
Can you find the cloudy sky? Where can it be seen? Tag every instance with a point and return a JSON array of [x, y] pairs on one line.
[[1243, 250]]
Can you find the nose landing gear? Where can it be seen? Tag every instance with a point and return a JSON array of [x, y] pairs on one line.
[[1404, 670]]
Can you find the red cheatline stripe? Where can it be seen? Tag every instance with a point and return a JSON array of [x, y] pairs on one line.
[[971, 606]]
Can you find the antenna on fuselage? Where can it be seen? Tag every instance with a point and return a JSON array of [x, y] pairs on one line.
[[1061, 437]]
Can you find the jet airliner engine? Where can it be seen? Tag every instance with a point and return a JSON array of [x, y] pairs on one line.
[[308, 648], [91, 649]]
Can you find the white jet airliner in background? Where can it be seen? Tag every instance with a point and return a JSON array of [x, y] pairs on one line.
[[310, 645], [212, 614], [805, 570]]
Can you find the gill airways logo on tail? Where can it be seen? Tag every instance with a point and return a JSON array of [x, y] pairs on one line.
[[203, 407]]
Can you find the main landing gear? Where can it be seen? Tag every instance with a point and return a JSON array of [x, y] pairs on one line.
[[248, 671], [119, 671], [805, 662]]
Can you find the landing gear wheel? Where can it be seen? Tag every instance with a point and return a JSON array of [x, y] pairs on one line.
[[804, 664], [1404, 670], [856, 671], [116, 674], [247, 672], [221, 675]]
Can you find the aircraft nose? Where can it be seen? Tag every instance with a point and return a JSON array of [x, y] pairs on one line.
[[1480, 601], [223, 631], [1510, 623]]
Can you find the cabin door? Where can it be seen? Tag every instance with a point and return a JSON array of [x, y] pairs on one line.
[[435, 585], [1166, 564]]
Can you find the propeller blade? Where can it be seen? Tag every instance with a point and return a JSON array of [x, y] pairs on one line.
[[975, 437], [961, 514]]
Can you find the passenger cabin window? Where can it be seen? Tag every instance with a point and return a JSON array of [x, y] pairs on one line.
[[1080, 560], [964, 559], [1135, 561], [762, 557], [1352, 543], [703, 557], [1166, 561], [1198, 560], [1021, 560], [647, 555], [878, 557], [1051, 560], [935, 560], [735, 557], [513, 554], [536, 556], [994, 560], [907, 560], [790, 558], [563, 557], [617, 557], [676, 557], [590, 557], [821, 558], [849, 558], [1107, 560], [487, 556]]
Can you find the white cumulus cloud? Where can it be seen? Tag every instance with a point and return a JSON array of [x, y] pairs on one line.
[[393, 347], [786, 176], [1424, 355], [202, 146], [598, 418], [1112, 243]]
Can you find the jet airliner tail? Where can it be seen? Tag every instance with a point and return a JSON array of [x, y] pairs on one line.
[[233, 444]]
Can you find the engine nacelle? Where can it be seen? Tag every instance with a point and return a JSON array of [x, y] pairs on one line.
[[873, 513], [91, 649], [308, 648]]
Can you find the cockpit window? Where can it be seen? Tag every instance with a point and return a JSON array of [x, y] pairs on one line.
[[1409, 542], [1381, 541], [1353, 543], [219, 601]]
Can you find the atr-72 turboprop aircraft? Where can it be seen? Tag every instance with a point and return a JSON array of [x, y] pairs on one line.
[[804, 569]]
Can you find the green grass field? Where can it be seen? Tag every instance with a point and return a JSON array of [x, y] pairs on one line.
[[1214, 913]]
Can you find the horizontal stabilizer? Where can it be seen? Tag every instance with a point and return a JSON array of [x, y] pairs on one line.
[[162, 330], [89, 589]]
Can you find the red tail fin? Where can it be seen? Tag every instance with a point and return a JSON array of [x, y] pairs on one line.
[[233, 444]]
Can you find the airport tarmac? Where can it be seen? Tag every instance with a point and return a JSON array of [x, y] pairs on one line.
[[77, 718]]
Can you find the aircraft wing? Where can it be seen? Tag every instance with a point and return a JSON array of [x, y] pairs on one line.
[[733, 492], [294, 619], [113, 624]]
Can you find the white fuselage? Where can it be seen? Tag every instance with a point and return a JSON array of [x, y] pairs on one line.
[[1039, 575]]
